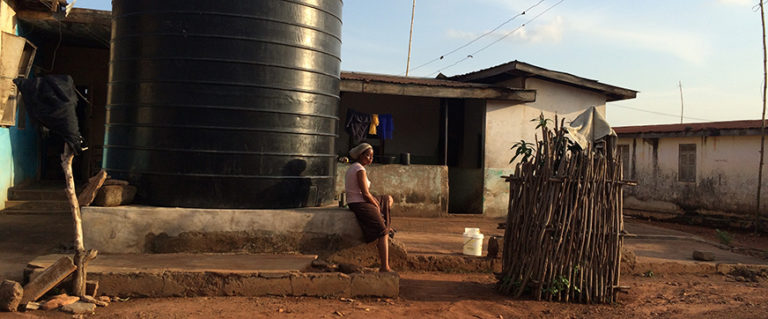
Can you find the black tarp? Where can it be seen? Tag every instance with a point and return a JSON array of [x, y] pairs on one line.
[[52, 100]]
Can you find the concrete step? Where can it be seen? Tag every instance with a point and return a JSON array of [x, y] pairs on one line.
[[34, 212], [31, 205], [22, 194], [177, 275]]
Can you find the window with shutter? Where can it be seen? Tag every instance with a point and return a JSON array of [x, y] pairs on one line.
[[687, 163], [624, 155]]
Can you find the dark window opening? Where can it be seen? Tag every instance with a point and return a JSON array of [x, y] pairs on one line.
[[624, 156], [687, 163]]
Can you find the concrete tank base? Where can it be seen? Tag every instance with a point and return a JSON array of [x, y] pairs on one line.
[[330, 232], [147, 229], [191, 275]]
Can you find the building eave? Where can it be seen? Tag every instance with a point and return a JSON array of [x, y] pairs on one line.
[[423, 87], [520, 69]]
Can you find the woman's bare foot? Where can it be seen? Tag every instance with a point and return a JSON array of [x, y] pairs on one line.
[[387, 269]]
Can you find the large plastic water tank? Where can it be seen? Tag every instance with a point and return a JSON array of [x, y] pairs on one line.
[[224, 104]]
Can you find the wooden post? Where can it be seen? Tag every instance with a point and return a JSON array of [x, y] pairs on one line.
[[762, 124], [81, 256]]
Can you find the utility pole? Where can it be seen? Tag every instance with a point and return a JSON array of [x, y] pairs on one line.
[[762, 126], [680, 84], [410, 39]]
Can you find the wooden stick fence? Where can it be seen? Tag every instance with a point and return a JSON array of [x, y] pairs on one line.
[[563, 234]]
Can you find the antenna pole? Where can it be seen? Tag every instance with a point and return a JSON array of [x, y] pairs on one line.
[[410, 39], [680, 85], [762, 126]]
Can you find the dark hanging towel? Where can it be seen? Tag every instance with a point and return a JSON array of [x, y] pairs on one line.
[[52, 101], [357, 125], [386, 126]]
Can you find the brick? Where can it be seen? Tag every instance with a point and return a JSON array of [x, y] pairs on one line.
[[58, 301], [703, 255], [114, 195], [254, 286], [48, 279], [10, 295], [375, 284], [320, 284]]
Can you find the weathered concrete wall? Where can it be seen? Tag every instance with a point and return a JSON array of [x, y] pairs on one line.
[[416, 121], [18, 147], [507, 124], [145, 229], [726, 178], [417, 190], [6, 154]]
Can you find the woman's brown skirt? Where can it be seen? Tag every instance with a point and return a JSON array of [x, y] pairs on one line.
[[373, 222]]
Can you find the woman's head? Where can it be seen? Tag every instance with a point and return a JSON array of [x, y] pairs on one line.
[[362, 153]]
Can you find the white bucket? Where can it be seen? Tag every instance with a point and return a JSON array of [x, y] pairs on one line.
[[473, 242]]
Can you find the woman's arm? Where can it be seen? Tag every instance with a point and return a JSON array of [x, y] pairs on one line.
[[362, 179]]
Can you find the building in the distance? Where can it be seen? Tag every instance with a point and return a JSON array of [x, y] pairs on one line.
[[700, 172]]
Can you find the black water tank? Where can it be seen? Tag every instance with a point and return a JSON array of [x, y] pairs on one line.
[[224, 104]]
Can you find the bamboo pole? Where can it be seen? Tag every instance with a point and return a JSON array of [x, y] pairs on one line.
[[762, 125]]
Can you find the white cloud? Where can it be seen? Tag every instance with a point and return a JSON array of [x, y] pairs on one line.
[[743, 3], [687, 46]]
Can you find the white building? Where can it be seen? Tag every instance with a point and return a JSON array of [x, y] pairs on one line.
[[701, 172], [466, 125]]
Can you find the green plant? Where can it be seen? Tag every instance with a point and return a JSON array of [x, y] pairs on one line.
[[523, 149], [648, 274], [724, 237], [560, 284], [542, 121]]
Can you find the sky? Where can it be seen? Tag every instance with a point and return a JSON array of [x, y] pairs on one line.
[[712, 48]]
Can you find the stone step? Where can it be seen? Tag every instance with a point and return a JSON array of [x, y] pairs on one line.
[[37, 194], [31, 205], [34, 212], [187, 275]]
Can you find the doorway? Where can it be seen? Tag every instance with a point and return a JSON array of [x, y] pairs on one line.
[[465, 150]]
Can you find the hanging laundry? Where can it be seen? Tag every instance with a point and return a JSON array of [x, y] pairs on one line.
[[386, 126], [374, 124], [357, 125]]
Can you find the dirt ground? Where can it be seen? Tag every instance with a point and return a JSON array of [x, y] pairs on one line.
[[439, 295], [741, 241], [429, 294]]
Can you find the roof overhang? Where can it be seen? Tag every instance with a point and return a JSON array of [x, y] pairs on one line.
[[426, 87], [82, 27], [724, 128], [517, 69]]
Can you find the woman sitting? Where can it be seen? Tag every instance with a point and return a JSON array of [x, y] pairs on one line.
[[372, 213]]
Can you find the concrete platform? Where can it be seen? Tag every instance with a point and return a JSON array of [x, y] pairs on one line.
[[145, 229], [187, 275]]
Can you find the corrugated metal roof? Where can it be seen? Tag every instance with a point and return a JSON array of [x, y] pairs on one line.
[[360, 76], [689, 127], [516, 68]]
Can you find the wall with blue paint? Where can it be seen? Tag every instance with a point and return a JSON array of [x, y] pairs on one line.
[[19, 157], [19, 151]]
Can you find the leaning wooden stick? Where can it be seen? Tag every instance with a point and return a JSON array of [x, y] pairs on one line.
[[81, 256]]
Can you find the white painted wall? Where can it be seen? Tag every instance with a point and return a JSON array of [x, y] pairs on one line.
[[507, 124], [726, 176], [7, 24]]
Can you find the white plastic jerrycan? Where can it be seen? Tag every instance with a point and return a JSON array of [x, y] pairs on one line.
[[473, 241]]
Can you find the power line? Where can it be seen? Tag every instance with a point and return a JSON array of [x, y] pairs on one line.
[[658, 113], [469, 56], [477, 38]]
